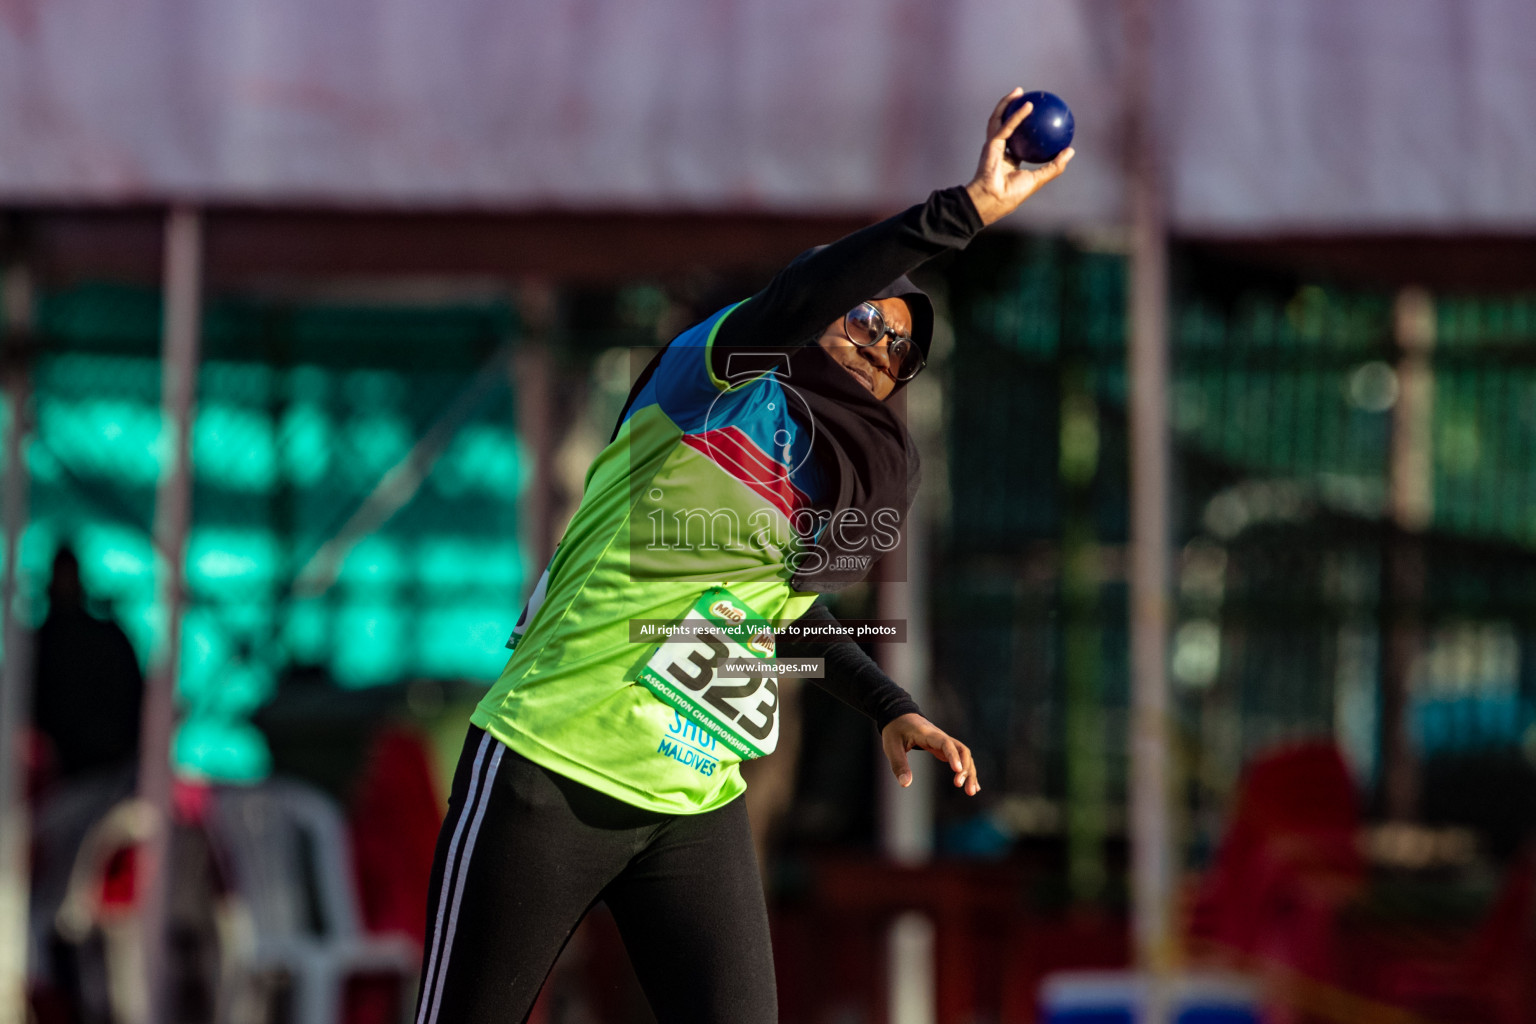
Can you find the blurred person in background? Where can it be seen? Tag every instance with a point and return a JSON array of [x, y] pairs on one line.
[[87, 693], [87, 685], [575, 783]]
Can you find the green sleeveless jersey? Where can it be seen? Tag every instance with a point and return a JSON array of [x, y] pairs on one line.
[[700, 489]]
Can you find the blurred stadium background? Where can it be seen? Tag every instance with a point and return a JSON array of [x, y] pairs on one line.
[[410, 252]]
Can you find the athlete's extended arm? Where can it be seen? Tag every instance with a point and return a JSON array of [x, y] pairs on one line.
[[821, 286], [849, 674], [817, 288], [852, 677]]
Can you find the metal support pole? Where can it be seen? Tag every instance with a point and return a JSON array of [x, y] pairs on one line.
[[15, 668], [1153, 939], [533, 382], [173, 514], [1412, 504], [906, 815], [1082, 640]]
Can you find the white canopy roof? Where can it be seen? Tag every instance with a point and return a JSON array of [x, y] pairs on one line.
[[1274, 114]]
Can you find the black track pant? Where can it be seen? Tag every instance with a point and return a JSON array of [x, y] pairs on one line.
[[525, 853]]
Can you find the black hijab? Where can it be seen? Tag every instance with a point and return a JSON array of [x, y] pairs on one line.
[[870, 454]]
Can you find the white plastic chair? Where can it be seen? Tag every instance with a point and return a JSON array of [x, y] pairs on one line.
[[286, 856]]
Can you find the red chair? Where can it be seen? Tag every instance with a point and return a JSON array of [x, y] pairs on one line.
[[1287, 867], [395, 814], [394, 818], [1488, 978]]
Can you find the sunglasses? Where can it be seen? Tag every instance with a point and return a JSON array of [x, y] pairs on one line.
[[865, 326]]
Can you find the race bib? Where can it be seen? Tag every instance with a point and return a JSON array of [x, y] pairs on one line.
[[741, 711]]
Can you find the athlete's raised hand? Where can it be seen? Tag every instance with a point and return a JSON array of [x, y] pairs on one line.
[[1000, 185], [914, 732]]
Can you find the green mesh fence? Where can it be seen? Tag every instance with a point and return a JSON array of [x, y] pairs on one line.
[[1281, 405], [302, 411]]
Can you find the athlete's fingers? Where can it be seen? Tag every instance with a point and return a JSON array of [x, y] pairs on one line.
[[1023, 182], [896, 753], [952, 753], [995, 156], [1014, 122], [972, 784], [947, 750], [958, 756], [1041, 175], [996, 120]]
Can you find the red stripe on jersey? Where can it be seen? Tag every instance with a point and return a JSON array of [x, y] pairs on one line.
[[733, 451]]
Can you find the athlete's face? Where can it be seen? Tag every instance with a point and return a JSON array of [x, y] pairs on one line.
[[870, 365]]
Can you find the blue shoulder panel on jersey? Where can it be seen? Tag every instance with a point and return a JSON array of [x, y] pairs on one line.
[[763, 407]]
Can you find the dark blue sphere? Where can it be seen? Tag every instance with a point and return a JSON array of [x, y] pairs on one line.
[[1045, 132]]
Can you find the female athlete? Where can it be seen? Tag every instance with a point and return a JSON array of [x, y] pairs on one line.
[[755, 466]]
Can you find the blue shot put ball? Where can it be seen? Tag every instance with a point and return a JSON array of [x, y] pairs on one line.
[[1045, 132]]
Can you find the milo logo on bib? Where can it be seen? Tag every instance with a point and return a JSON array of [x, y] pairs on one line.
[[740, 711], [724, 609]]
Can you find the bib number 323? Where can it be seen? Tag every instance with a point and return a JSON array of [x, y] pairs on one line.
[[688, 673]]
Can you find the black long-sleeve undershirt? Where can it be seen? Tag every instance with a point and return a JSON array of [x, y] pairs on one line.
[[813, 291], [850, 675]]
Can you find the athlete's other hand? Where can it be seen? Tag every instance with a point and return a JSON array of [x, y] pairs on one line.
[[914, 732], [1000, 185]]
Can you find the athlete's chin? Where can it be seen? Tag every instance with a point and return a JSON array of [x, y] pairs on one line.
[[866, 382]]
